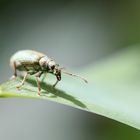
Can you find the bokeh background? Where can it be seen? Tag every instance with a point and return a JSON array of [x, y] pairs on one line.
[[75, 33]]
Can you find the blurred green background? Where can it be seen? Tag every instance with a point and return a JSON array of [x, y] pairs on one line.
[[75, 33]]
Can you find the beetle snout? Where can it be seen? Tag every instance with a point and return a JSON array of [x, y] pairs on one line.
[[59, 77]]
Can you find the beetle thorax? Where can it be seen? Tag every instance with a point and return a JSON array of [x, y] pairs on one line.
[[43, 62], [47, 63]]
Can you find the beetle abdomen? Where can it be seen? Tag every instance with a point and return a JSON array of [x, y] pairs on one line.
[[28, 56], [26, 60]]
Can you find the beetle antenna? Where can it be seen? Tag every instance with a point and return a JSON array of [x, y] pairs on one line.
[[75, 75]]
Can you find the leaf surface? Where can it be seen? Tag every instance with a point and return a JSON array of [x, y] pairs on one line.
[[113, 89]]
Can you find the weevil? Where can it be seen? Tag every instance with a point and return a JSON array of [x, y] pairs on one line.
[[36, 63]]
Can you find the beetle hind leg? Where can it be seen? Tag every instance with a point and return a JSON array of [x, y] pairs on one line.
[[23, 81], [13, 65]]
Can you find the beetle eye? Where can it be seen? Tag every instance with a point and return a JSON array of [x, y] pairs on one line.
[[52, 67]]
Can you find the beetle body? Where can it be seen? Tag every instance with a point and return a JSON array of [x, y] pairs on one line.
[[35, 63]]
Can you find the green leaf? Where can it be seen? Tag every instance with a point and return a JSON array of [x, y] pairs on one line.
[[113, 89]]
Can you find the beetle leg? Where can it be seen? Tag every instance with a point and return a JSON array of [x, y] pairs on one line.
[[13, 65], [38, 74], [54, 85], [44, 76], [58, 77], [38, 84], [23, 81]]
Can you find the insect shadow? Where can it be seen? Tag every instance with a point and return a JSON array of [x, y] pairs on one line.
[[57, 92]]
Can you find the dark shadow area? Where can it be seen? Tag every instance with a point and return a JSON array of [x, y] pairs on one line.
[[56, 92]]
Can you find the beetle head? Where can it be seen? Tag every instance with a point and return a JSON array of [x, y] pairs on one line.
[[57, 72], [51, 67]]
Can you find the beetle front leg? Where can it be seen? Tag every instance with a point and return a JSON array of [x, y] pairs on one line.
[[54, 85], [23, 81], [58, 79]]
